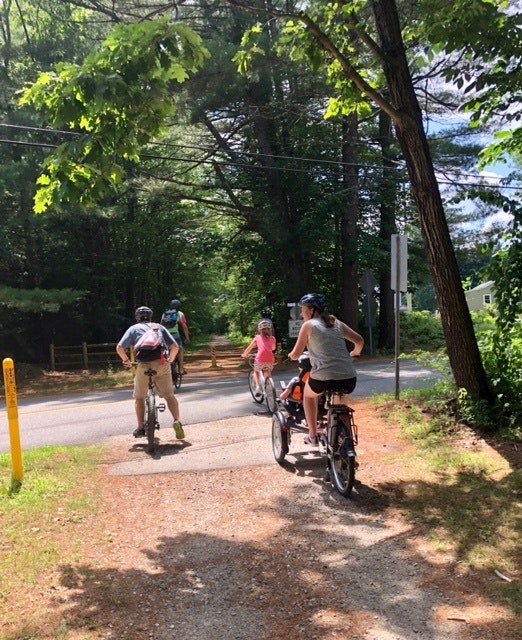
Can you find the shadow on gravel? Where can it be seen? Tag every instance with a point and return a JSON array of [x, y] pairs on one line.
[[161, 450], [318, 569], [313, 464], [296, 561]]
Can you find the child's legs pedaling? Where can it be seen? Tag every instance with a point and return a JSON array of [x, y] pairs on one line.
[[258, 367], [311, 409]]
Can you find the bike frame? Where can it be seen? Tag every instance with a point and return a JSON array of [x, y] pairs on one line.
[[152, 408], [269, 394], [177, 375], [337, 433]]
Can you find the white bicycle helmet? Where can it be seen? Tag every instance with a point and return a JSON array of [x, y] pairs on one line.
[[143, 314]]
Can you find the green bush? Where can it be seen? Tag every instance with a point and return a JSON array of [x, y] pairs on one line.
[[501, 352], [421, 331]]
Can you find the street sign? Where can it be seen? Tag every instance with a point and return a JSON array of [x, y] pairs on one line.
[[368, 282], [294, 310], [399, 263], [293, 328]]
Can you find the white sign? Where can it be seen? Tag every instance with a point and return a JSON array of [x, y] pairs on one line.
[[295, 310], [293, 327], [399, 263]]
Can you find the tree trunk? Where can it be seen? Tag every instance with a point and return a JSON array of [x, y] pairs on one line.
[[460, 338], [349, 278], [386, 228]]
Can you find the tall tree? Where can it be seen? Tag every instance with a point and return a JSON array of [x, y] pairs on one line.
[[387, 48]]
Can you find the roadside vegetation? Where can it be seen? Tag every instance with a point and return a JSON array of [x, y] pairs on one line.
[[59, 490], [463, 496]]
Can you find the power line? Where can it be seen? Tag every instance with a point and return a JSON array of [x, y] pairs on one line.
[[244, 165]]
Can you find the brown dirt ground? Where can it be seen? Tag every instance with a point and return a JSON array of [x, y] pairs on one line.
[[256, 553]]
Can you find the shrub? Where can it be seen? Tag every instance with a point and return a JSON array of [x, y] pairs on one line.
[[421, 330]]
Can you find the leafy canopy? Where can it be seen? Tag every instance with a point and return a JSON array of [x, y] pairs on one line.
[[116, 102]]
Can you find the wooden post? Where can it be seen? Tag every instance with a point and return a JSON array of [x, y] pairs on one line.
[[85, 356], [51, 354]]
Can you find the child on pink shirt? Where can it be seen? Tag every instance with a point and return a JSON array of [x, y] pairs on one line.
[[265, 359]]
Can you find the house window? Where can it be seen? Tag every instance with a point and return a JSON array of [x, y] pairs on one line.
[[487, 298]]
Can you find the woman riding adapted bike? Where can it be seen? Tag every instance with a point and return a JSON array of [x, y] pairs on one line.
[[323, 335]]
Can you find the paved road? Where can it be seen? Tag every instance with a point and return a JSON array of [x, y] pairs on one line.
[[95, 417]]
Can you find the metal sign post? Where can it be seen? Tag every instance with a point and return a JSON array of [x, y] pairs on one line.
[[399, 283]]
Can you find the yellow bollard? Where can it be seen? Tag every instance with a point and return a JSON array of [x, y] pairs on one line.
[[213, 357], [12, 415]]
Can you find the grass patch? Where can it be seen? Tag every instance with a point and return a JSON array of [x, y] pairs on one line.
[[465, 496], [58, 495]]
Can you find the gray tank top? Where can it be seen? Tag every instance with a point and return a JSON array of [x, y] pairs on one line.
[[328, 353]]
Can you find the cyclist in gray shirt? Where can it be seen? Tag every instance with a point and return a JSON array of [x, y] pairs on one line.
[[323, 335]]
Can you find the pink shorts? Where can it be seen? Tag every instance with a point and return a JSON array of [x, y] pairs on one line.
[[259, 366], [162, 379]]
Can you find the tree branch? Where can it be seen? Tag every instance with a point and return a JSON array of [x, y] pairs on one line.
[[350, 72]]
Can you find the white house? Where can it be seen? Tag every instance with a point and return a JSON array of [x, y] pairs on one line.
[[479, 298]]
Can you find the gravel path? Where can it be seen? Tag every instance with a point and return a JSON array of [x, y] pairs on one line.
[[269, 552]]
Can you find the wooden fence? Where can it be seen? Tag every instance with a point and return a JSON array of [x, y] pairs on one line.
[[83, 356]]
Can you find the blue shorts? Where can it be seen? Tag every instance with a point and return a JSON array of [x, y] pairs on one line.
[[178, 339], [340, 386]]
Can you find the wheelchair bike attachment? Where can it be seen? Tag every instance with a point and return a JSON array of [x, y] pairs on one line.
[[337, 435]]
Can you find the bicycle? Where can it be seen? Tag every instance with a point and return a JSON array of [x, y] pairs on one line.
[[337, 435], [152, 408], [177, 372], [268, 394]]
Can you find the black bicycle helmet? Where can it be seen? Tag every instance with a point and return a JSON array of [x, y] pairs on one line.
[[315, 300], [143, 314], [175, 304]]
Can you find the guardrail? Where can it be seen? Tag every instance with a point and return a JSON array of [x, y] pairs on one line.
[[83, 356]]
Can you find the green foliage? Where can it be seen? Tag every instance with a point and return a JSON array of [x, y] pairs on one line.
[[38, 300], [501, 352], [463, 495], [505, 270], [118, 101], [421, 330], [486, 37]]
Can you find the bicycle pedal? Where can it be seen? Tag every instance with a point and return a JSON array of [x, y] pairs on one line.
[[161, 406]]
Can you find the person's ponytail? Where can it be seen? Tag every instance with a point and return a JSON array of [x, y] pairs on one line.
[[328, 319]]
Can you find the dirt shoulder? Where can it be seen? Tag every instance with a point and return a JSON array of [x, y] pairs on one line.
[[260, 552]]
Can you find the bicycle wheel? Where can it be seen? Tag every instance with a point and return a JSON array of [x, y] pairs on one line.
[[342, 464], [150, 421], [279, 436], [270, 395], [176, 374], [252, 387]]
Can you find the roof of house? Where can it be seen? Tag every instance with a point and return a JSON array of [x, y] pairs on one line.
[[484, 285]]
